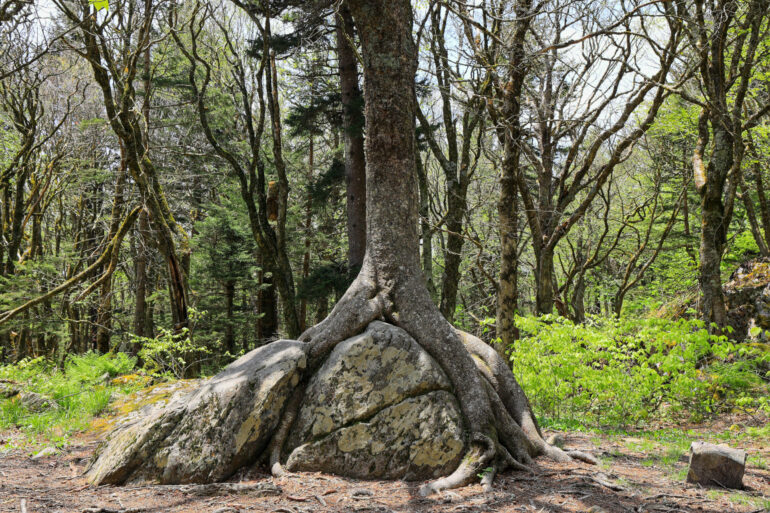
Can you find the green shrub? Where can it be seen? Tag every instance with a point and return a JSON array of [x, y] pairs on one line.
[[611, 372], [171, 355]]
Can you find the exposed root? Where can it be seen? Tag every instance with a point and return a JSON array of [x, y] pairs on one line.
[[279, 438], [481, 452], [583, 456], [508, 461], [360, 305], [511, 396], [488, 478], [510, 435], [503, 430]]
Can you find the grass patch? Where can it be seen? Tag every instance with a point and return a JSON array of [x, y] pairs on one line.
[[80, 390]]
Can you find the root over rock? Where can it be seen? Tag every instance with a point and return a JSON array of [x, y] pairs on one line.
[[378, 407]]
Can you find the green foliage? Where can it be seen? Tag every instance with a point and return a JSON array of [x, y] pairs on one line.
[[624, 372], [171, 355], [322, 280], [100, 4], [80, 389], [327, 181]]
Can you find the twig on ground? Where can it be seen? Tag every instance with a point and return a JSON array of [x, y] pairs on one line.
[[256, 489], [111, 510]]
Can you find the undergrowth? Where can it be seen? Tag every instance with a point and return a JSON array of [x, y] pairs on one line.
[[617, 373], [80, 389]]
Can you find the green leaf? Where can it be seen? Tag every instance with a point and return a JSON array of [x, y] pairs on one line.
[[756, 330], [100, 4]]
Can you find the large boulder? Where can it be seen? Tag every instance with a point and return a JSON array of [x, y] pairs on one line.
[[378, 408], [207, 434]]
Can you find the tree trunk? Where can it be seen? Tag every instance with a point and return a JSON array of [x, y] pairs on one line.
[[508, 278], [507, 205], [753, 222], [353, 124], [578, 299], [764, 207], [686, 217], [713, 230], [229, 321], [456, 209], [426, 233], [544, 275], [308, 226], [267, 327]]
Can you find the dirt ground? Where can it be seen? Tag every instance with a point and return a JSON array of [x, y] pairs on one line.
[[635, 475]]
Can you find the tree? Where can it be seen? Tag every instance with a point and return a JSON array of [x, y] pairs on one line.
[[115, 62], [501, 428], [726, 39]]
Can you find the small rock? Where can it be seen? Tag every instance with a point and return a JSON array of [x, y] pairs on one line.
[[449, 497], [35, 402], [48, 451], [556, 440], [7, 390], [716, 465]]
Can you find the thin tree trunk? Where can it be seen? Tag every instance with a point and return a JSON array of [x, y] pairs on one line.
[[426, 233], [752, 217], [544, 281], [229, 322], [764, 207], [686, 217], [141, 241], [267, 307], [456, 209], [353, 124], [308, 226]]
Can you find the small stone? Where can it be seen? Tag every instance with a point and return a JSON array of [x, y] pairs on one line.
[[48, 451], [716, 465], [556, 440], [7, 390], [35, 402]]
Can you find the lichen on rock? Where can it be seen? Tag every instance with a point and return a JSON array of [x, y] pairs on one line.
[[207, 434], [378, 407], [417, 438]]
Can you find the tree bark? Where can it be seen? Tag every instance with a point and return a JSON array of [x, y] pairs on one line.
[[713, 229]]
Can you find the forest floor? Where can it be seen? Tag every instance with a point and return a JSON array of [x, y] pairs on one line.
[[640, 471]]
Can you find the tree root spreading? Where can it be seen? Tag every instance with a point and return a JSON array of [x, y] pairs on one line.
[[502, 431]]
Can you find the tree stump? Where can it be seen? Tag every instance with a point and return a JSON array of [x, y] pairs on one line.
[[716, 465]]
